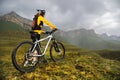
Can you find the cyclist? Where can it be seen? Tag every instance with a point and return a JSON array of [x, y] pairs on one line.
[[38, 28], [40, 21]]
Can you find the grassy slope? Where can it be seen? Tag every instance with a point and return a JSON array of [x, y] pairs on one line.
[[110, 54], [6, 26], [79, 64]]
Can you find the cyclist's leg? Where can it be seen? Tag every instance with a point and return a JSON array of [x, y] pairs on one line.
[[33, 60], [33, 38], [36, 37]]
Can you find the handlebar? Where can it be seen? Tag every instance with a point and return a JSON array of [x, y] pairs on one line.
[[50, 32]]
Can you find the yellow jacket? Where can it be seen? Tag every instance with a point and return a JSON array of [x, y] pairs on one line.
[[41, 18]]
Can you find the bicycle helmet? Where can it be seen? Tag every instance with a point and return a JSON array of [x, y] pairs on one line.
[[41, 11]]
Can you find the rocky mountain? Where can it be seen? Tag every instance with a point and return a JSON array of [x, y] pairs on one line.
[[112, 37], [88, 39], [81, 37], [15, 18], [115, 37]]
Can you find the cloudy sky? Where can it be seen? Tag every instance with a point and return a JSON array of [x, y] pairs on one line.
[[101, 15]]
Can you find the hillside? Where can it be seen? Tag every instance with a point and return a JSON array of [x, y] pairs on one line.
[[10, 26], [79, 64]]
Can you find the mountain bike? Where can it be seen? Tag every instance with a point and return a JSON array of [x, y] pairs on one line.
[[25, 52]]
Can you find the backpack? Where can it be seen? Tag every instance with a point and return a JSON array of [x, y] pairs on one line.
[[34, 22]]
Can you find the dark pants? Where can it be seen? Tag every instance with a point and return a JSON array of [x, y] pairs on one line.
[[35, 37]]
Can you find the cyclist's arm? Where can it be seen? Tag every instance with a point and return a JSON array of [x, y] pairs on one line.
[[40, 18]]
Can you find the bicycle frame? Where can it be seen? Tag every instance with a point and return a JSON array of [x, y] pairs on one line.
[[37, 43]]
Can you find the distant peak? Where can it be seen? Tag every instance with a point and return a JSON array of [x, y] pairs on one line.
[[12, 13]]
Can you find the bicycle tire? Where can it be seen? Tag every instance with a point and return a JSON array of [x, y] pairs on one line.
[[54, 54], [23, 45]]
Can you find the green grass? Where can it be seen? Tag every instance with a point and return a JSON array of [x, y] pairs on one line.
[[109, 54], [79, 64], [7, 25]]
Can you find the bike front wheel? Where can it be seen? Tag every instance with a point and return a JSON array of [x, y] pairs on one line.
[[22, 58], [57, 51]]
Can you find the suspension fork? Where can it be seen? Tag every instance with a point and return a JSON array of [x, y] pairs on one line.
[[55, 45]]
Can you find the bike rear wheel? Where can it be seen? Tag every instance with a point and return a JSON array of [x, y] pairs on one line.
[[22, 58], [57, 51]]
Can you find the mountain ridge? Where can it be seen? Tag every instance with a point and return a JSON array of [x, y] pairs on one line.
[[90, 40]]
